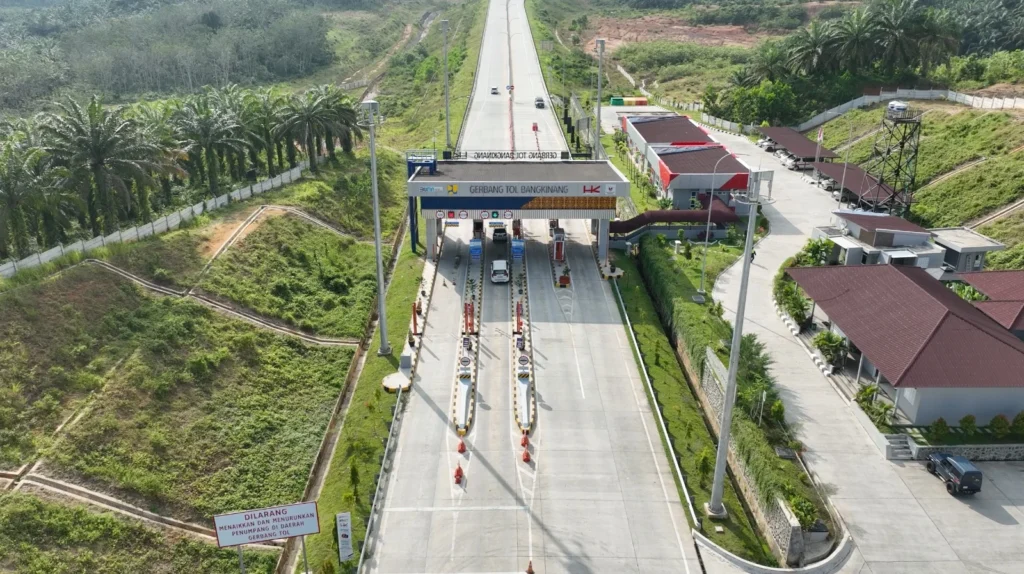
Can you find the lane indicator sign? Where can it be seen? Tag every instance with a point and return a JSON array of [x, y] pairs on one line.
[[508, 215], [463, 214], [439, 214], [524, 360], [484, 215]]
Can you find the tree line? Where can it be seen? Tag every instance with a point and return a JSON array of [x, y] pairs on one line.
[[85, 168], [122, 49], [888, 42]]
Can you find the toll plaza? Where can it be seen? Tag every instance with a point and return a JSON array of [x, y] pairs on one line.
[[490, 193]]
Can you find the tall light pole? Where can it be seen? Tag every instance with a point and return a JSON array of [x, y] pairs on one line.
[[371, 109], [447, 110], [600, 66], [715, 508], [707, 230]]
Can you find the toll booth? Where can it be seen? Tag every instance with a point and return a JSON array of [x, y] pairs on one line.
[[476, 249], [517, 228], [478, 229], [552, 224], [518, 249], [426, 159], [558, 244]]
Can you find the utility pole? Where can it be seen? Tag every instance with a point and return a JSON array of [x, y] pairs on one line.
[[600, 66], [715, 508], [447, 110], [371, 108]]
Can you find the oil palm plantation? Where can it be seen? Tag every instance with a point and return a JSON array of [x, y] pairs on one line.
[[207, 132], [769, 63], [103, 153], [811, 48], [262, 114], [347, 131], [307, 117], [155, 122], [898, 33], [856, 39], [17, 193]]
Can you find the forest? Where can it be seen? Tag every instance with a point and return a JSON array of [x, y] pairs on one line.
[[87, 168], [126, 48], [910, 43]]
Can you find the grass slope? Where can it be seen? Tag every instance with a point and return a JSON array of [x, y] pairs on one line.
[[361, 442], [1010, 231], [194, 414], [684, 417], [950, 138], [38, 536], [293, 270]]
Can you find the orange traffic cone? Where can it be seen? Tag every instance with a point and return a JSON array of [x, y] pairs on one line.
[[462, 447], [529, 567], [525, 442], [458, 473], [526, 455]]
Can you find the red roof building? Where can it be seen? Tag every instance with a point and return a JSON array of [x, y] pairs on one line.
[[946, 357], [1005, 292]]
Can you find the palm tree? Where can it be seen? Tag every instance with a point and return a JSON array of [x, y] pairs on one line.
[[810, 49], [347, 130], [770, 63], [308, 116], [155, 120], [17, 193], [939, 34], [207, 132], [262, 114], [898, 33], [103, 153], [856, 39], [230, 100]]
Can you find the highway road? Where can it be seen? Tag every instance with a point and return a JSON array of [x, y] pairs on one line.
[[493, 119]]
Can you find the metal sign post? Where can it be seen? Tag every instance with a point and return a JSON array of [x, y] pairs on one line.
[[305, 558], [241, 561]]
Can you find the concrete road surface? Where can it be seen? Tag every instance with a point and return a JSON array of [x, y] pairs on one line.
[[493, 119]]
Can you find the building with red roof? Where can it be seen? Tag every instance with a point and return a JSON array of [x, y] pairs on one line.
[[938, 355]]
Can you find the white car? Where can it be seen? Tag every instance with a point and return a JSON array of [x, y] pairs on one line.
[[494, 90], [898, 106], [781, 154], [499, 271]]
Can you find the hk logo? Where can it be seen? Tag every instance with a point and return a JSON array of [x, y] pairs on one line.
[[591, 189], [453, 189]]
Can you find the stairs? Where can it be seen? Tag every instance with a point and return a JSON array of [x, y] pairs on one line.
[[899, 447]]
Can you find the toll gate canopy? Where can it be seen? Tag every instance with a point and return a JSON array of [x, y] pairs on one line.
[[518, 189]]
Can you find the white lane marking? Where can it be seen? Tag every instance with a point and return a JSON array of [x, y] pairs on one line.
[[568, 322], [633, 383], [452, 508], [532, 474]]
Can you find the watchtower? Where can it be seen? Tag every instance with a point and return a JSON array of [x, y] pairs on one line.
[[893, 162]]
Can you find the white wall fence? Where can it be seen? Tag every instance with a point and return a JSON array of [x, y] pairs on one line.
[[164, 224], [902, 94]]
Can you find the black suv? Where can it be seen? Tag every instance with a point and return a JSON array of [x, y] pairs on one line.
[[500, 234], [960, 475]]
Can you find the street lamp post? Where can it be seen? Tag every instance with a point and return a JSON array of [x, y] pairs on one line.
[[600, 65], [371, 108], [715, 508], [707, 230], [447, 110]]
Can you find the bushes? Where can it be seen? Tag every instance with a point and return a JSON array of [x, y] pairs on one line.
[[939, 430], [1000, 426], [831, 345], [968, 425]]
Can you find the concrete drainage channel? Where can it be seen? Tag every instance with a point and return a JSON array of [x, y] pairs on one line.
[[464, 397]]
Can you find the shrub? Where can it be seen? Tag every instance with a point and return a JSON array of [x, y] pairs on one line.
[[831, 345], [804, 510], [777, 413], [1000, 426], [1017, 427], [687, 249], [705, 462], [939, 430], [969, 425]]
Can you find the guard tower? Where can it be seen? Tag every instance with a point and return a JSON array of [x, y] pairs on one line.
[[893, 163], [415, 158]]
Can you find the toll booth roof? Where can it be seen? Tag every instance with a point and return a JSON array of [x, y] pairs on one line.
[[503, 171]]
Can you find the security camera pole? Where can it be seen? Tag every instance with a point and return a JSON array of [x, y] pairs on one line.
[[371, 108], [715, 508], [447, 111], [600, 66]]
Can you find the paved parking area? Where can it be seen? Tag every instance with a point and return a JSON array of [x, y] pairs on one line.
[[900, 517]]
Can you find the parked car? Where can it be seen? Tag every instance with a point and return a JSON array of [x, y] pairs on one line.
[[898, 106], [781, 154], [500, 235], [798, 165], [538, 102], [828, 184], [959, 474], [494, 90], [768, 146], [499, 271]]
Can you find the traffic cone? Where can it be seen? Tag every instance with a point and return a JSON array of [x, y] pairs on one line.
[[526, 455], [462, 447], [529, 567], [458, 473], [525, 442]]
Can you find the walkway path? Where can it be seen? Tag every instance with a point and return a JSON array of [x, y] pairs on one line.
[[895, 531]]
